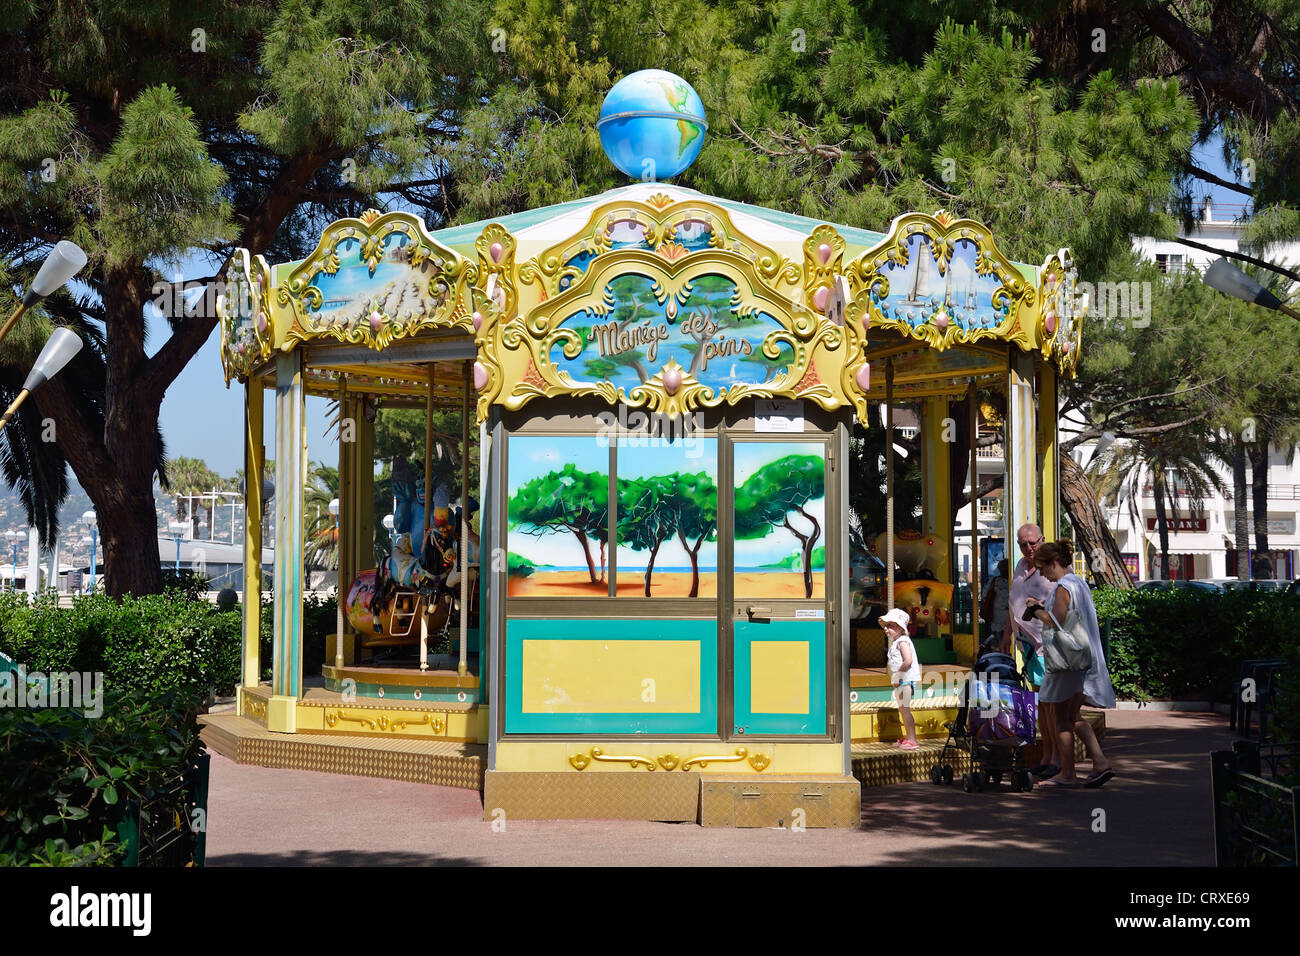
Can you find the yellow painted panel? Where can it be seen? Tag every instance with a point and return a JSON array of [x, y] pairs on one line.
[[610, 677], [778, 677], [784, 758]]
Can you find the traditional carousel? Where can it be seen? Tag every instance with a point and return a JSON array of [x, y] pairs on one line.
[[651, 610]]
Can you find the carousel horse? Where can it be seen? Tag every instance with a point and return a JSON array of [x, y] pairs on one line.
[[916, 591]]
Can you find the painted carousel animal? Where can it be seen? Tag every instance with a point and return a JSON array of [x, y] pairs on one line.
[[916, 590]]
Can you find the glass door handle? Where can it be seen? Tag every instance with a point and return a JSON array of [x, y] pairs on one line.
[[753, 611]]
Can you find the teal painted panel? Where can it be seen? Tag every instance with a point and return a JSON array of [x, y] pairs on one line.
[[705, 721], [812, 634]]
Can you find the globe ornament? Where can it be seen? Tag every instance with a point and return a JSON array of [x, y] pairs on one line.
[[652, 125]]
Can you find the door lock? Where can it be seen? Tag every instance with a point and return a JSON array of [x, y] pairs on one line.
[[753, 611]]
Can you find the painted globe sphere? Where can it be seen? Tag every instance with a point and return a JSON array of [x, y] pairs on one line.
[[652, 125]]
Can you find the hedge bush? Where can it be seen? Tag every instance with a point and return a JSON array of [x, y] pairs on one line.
[[153, 643], [64, 777], [1189, 643]]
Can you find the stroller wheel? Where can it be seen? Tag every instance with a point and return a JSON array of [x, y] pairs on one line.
[[996, 778], [936, 774], [980, 780], [947, 773], [968, 782], [1024, 781]]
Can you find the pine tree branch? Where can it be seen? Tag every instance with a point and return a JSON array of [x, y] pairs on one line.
[[1280, 270], [1209, 177]]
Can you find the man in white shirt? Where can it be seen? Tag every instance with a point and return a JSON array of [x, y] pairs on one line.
[[1026, 583]]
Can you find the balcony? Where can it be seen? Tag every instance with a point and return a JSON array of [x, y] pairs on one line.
[[1276, 492], [992, 451]]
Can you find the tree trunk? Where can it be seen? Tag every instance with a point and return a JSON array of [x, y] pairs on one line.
[[586, 553], [695, 562], [650, 566], [1259, 499], [1240, 513], [1090, 531], [1162, 523]]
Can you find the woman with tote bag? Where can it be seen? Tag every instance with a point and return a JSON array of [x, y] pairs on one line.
[[1076, 664]]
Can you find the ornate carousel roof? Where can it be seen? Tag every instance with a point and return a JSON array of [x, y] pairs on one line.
[[652, 295]]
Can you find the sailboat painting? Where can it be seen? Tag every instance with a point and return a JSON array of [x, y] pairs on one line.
[[921, 291]]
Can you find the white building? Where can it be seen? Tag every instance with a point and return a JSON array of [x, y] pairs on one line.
[[1202, 545]]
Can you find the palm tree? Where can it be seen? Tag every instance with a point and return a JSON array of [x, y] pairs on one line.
[[319, 526], [1176, 464], [191, 476]]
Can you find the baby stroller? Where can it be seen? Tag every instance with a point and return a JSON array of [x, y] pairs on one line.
[[997, 720]]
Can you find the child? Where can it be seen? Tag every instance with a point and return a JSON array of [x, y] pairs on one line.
[[904, 671]]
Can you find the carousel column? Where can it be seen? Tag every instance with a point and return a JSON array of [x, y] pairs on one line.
[[347, 443], [1049, 450], [1021, 445], [290, 455], [363, 488], [937, 433], [254, 460]]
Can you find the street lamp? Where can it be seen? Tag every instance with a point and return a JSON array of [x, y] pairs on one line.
[[64, 261], [177, 529], [58, 350], [91, 518], [1230, 280], [392, 535]]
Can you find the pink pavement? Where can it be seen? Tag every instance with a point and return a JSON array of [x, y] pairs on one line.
[[1156, 813]]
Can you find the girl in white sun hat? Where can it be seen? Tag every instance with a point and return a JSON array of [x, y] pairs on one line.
[[904, 671]]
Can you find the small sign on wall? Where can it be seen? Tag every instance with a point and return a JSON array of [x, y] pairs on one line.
[[778, 415]]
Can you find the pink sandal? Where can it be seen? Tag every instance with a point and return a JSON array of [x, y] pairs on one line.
[[909, 745]]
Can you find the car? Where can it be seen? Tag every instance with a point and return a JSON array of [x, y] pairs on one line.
[[1294, 588], [1259, 584], [1181, 585]]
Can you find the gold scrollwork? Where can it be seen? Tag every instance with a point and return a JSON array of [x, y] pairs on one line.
[[940, 234], [1060, 321], [580, 761], [525, 344], [255, 708], [436, 295], [244, 313], [383, 721], [704, 760]]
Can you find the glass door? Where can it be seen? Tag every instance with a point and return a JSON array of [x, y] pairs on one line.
[[779, 613]]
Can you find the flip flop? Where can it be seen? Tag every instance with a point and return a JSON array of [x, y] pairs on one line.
[[908, 745], [1066, 784], [1099, 779]]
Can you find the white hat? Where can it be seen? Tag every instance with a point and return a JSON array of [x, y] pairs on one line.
[[897, 616]]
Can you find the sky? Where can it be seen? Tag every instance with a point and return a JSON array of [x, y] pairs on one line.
[[201, 418]]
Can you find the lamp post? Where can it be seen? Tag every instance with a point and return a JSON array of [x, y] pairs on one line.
[[59, 349], [392, 535], [90, 518], [177, 529], [1228, 279], [64, 261], [13, 537]]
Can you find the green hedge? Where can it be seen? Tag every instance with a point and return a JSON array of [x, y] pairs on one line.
[[64, 777], [1189, 643], [154, 643], [319, 622]]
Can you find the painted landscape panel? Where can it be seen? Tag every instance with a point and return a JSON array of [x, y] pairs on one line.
[[668, 517], [705, 334], [557, 531], [780, 519]]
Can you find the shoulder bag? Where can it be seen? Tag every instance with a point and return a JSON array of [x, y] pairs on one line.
[[1066, 647]]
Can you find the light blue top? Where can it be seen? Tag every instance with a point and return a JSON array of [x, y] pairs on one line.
[[1097, 688]]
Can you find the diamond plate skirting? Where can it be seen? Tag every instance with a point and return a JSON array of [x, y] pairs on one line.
[[591, 795], [443, 763]]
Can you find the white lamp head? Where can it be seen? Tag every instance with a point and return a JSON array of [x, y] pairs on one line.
[[58, 351], [1230, 280], [388, 522], [334, 508], [65, 260]]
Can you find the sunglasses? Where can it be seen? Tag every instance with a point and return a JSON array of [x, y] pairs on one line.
[[1031, 544]]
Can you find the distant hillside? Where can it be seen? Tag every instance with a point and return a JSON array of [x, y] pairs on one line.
[[72, 529]]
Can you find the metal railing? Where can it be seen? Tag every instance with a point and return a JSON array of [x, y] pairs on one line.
[[169, 829], [1255, 817], [990, 451]]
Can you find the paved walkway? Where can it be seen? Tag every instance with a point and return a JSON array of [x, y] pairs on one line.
[[1156, 813]]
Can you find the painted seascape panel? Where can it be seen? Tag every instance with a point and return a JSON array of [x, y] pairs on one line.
[[780, 519]]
